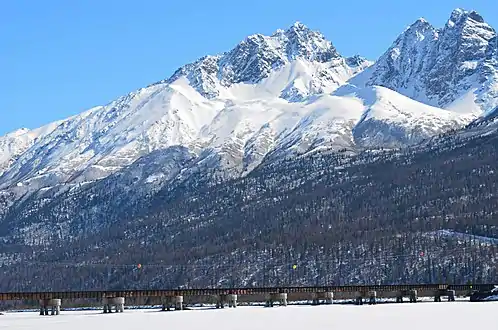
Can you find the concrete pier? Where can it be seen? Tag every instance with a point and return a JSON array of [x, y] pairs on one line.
[[372, 297], [166, 301], [281, 298], [451, 294], [232, 300], [359, 298], [318, 297], [329, 297], [226, 299], [117, 302], [53, 304], [178, 302], [174, 302], [221, 301], [413, 296]]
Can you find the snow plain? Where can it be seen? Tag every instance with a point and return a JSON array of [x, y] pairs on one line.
[[455, 316]]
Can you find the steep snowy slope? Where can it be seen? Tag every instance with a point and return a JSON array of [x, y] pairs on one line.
[[11, 146], [16, 143], [391, 119], [104, 139], [455, 67]]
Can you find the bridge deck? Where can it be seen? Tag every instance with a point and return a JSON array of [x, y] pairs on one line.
[[240, 291]]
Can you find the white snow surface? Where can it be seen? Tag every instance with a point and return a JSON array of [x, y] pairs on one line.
[[14, 144], [455, 316]]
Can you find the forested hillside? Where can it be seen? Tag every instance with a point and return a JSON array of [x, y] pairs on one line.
[[424, 214]]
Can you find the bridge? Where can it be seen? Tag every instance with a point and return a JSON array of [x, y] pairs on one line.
[[221, 297]]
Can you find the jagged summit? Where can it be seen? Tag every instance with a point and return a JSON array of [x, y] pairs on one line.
[[298, 25], [312, 45], [358, 61], [421, 20], [419, 31], [453, 67], [460, 15], [258, 55], [420, 23]]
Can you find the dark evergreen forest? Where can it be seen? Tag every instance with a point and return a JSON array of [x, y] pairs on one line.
[[426, 214]]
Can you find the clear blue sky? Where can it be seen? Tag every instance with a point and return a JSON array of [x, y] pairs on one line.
[[61, 57]]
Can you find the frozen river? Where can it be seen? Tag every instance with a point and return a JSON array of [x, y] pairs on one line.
[[454, 316]]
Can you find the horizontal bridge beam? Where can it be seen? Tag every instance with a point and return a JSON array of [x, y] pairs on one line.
[[239, 291]]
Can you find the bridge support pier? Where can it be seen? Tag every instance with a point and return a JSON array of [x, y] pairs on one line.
[[359, 299], [175, 302], [372, 297], [54, 304], [451, 295], [223, 299], [315, 299], [280, 297], [232, 299], [413, 296], [166, 301], [178, 301], [117, 302], [327, 297]]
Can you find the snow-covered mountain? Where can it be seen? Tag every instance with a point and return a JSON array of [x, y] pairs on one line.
[[145, 177], [270, 97], [16, 143], [310, 64], [455, 67]]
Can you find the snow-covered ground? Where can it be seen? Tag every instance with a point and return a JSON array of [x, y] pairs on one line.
[[455, 316]]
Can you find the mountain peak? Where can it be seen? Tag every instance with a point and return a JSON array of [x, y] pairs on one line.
[[461, 16], [258, 55], [298, 26], [420, 29], [453, 67], [420, 21], [456, 14], [357, 61], [18, 132]]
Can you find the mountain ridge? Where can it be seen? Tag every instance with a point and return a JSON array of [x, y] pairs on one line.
[[263, 90]]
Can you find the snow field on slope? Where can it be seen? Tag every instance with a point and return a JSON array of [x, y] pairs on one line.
[[454, 316]]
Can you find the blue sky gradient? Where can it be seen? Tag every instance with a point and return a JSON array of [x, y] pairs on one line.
[[59, 58]]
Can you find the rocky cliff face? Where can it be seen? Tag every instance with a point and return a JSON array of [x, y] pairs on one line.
[[454, 67], [256, 57]]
